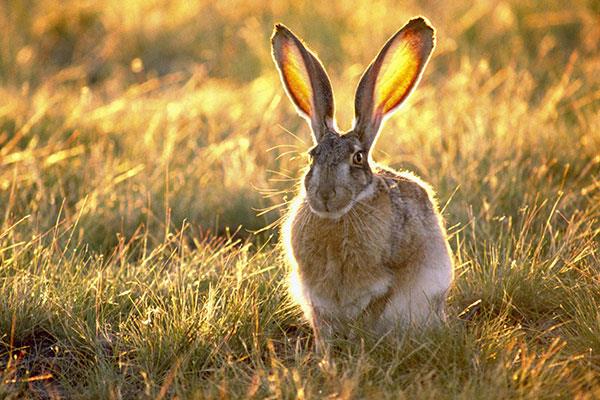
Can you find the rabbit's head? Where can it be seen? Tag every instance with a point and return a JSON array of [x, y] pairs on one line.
[[339, 173]]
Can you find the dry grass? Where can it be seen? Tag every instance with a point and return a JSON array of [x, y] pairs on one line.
[[137, 138]]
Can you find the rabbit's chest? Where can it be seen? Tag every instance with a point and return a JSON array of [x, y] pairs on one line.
[[342, 263]]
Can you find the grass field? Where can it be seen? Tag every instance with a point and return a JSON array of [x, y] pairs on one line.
[[142, 143]]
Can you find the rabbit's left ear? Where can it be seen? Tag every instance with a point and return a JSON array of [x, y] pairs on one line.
[[391, 76]]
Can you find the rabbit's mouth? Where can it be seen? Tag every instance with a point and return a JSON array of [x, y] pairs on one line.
[[335, 210], [332, 214], [331, 204]]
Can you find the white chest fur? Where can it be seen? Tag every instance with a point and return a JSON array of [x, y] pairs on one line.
[[338, 270]]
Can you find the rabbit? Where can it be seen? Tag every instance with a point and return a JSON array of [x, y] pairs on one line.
[[366, 244]]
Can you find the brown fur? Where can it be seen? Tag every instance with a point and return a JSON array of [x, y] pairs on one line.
[[384, 236], [366, 244]]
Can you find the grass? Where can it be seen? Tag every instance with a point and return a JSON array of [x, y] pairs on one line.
[[139, 141]]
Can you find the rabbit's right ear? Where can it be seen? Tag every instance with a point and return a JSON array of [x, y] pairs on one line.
[[304, 79]]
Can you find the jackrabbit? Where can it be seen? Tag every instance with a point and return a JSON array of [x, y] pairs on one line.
[[366, 243]]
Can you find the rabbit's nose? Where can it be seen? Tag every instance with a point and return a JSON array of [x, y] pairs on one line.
[[326, 195]]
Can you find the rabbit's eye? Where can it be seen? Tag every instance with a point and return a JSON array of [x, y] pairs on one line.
[[358, 158]]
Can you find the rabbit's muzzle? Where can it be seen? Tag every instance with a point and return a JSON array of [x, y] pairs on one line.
[[328, 195]]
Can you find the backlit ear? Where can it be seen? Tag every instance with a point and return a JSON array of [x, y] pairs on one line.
[[391, 76], [304, 79]]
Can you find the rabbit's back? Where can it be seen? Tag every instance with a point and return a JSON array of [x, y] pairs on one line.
[[414, 214], [420, 259]]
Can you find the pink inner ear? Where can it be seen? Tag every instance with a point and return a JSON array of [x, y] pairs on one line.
[[399, 72], [296, 76]]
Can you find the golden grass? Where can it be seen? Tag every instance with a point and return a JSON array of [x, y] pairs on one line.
[[136, 137]]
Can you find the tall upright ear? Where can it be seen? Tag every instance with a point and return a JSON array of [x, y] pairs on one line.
[[390, 77], [304, 79]]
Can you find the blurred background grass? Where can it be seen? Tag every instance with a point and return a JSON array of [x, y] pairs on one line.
[[117, 112], [122, 122]]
